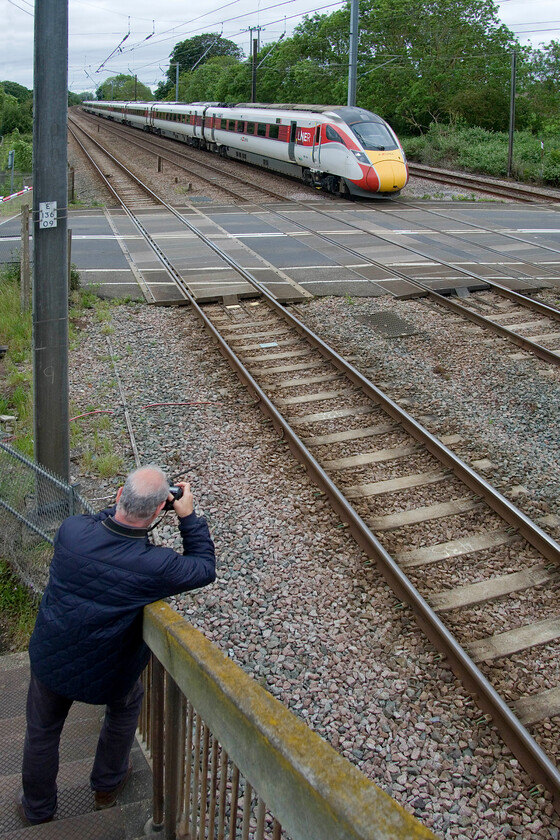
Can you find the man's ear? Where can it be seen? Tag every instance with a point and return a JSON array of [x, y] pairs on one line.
[[119, 493]]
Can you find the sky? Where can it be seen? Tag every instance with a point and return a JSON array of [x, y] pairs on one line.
[[107, 37]]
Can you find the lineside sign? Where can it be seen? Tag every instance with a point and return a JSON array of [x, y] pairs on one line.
[[47, 214]]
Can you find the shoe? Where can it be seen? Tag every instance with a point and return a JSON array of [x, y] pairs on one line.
[[108, 798], [23, 816]]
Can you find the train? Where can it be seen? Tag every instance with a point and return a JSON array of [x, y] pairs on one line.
[[345, 150]]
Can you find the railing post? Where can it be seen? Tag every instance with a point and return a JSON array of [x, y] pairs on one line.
[[172, 752]]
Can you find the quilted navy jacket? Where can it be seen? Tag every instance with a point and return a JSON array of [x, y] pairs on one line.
[[87, 642]]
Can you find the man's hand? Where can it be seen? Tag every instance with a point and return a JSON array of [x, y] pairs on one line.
[[185, 505]]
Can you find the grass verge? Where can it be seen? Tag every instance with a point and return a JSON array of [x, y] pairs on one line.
[[18, 609], [536, 159]]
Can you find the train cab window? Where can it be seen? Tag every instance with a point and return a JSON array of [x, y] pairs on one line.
[[374, 136], [332, 134], [261, 129], [250, 128], [273, 131], [240, 126]]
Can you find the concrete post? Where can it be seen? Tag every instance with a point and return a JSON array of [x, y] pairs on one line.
[[50, 210]]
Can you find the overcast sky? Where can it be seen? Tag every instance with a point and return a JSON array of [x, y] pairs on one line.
[[109, 37]]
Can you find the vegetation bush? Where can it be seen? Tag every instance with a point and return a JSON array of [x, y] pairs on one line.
[[479, 150]]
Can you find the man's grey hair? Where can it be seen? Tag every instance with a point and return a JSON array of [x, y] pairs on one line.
[[144, 490]]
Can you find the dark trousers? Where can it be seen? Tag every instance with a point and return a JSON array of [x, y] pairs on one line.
[[46, 713]]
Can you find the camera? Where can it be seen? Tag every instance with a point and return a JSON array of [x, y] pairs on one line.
[[176, 492]]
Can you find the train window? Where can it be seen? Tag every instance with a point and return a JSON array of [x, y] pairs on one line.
[[250, 128], [373, 135], [261, 129], [240, 126], [332, 134], [231, 125], [273, 131]]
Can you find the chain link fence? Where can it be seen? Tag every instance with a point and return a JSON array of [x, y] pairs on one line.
[[33, 503]]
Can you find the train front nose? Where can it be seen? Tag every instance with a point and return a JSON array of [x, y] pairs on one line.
[[387, 176]]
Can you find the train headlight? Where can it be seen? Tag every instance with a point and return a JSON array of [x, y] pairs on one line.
[[361, 157]]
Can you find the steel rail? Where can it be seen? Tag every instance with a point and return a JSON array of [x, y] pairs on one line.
[[507, 235], [530, 755], [537, 349], [529, 303], [119, 131], [493, 187], [485, 321]]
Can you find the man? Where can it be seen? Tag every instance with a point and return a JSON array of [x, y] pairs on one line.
[[87, 642]]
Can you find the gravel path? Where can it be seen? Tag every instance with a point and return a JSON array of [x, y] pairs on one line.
[[296, 604]]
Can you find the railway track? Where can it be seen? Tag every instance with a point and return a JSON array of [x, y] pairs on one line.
[[413, 507], [128, 191], [241, 190], [490, 186], [547, 316], [511, 329]]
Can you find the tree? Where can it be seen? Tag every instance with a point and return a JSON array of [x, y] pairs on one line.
[[19, 92], [192, 53], [124, 88], [311, 67], [208, 80], [77, 98], [543, 86], [437, 60], [15, 115]]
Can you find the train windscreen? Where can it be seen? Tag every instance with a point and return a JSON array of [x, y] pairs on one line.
[[374, 136]]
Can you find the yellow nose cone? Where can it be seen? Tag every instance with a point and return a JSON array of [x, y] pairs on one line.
[[392, 175]]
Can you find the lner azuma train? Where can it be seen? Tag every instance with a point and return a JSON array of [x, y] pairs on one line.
[[347, 151]]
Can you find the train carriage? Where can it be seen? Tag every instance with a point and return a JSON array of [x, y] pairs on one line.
[[345, 150]]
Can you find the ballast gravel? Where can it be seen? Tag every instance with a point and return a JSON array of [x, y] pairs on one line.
[[296, 604]]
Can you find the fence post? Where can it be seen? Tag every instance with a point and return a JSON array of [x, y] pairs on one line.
[[24, 265], [171, 752], [156, 712], [71, 178]]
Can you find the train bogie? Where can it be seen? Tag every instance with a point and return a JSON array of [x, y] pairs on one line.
[[349, 151]]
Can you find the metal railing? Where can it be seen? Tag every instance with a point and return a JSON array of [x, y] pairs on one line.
[[230, 761], [33, 503]]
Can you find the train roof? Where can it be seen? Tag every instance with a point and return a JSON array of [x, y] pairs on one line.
[[348, 114]]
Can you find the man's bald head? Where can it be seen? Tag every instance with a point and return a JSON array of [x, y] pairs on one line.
[[143, 492]]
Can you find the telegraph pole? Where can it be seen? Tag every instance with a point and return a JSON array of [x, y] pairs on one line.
[[50, 237], [254, 72], [353, 53], [512, 112]]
